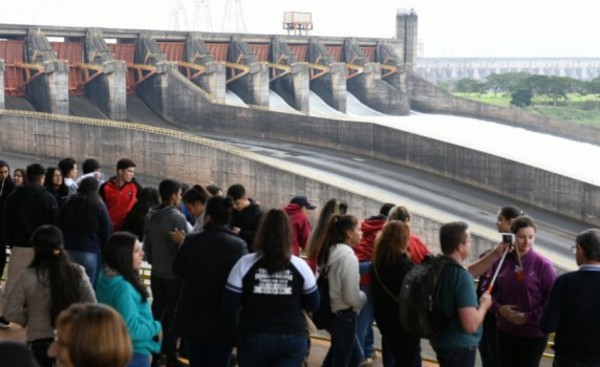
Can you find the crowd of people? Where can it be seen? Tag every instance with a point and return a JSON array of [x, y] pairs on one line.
[[228, 285]]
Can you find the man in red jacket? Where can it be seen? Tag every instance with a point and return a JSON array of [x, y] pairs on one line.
[[296, 210], [120, 192]]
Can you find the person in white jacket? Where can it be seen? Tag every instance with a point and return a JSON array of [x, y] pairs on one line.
[[337, 261]]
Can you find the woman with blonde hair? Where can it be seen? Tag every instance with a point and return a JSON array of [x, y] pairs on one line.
[[391, 263], [90, 335]]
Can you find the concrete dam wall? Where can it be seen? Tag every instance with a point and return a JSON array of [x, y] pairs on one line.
[[161, 153], [182, 77]]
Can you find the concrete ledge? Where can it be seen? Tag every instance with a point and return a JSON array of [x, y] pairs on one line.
[[190, 158]]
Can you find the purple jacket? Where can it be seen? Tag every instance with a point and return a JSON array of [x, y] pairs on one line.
[[528, 290]]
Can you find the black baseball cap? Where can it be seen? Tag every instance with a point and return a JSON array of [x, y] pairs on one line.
[[302, 201]]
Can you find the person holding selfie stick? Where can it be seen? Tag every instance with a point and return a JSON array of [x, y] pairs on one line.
[[488, 346], [522, 287]]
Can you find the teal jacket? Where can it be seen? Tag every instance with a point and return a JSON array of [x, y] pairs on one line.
[[118, 293]]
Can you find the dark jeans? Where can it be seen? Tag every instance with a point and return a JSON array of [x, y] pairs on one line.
[[277, 350], [399, 349], [3, 258], [165, 293], [39, 349], [456, 357], [344, 350], [562, 361], [520, 352], [205, 355], [488, 346]]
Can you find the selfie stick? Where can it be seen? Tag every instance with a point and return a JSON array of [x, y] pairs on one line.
[[489, 290]]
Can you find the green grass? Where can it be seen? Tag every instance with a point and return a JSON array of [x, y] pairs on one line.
[[581, 109]]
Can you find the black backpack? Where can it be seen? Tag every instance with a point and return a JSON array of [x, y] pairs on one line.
[[420, 312], [322, 317]]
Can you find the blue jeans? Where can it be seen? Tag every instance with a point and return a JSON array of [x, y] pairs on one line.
[[216, 355], [364, 321], [457, 357], [89, 260], [139, 360], [278, 350], [344, 350]]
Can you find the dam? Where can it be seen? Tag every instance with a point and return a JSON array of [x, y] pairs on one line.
[[320, 91]]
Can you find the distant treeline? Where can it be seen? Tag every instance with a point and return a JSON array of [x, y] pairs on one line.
[[526, 89]]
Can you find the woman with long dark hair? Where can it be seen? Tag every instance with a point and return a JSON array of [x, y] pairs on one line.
[[86, 226], [54, 183], [119, 286], [391, 263], [272, 287], [336, 261], [20, 177], [49, 285], [331, 207]]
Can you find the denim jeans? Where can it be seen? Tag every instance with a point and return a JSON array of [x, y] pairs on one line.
[[456, 357], [139, 360], [344, 350], [89, 260], [364, 322], [214, 355], [280, 350]]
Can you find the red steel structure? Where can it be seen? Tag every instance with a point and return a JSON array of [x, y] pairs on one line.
[[17, 73]]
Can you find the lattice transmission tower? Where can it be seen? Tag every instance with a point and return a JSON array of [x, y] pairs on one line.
[[233, 19], [202, 17], [178, 17]]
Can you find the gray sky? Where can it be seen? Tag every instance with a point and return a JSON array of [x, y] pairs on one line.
[[457, 28]]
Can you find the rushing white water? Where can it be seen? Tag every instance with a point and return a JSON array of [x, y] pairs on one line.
[[551, 153], [277, 103], [318, 108], [233, 99]]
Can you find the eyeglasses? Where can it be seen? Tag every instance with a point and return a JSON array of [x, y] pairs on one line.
[[574, 249]]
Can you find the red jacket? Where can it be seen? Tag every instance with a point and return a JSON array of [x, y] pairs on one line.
[[417, 249], [300, 227], [119, 200], [364, 250]]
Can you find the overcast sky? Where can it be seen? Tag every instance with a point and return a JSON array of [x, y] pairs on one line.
[[447, 28]]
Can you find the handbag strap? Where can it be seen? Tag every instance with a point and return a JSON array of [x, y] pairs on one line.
[[384, 287]]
